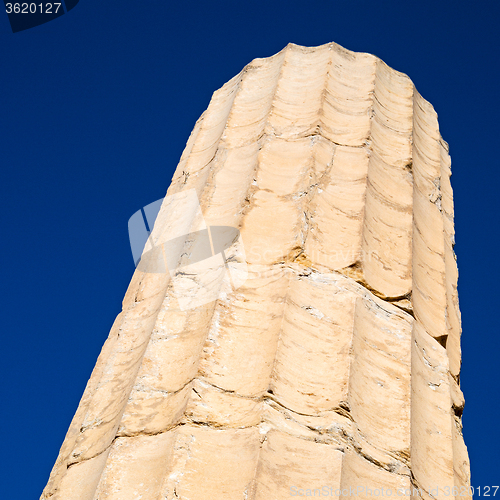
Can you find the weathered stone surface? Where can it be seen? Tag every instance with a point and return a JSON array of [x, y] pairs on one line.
[[335, 364]]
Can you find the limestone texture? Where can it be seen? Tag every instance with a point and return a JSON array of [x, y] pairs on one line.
[[336, 363]]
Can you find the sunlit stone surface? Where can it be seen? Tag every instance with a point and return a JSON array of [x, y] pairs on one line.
[[336, 363]]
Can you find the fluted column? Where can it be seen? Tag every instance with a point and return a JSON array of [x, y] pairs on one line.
[[335, 362]]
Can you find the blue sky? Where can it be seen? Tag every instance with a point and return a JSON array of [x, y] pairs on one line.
[[96, 107]]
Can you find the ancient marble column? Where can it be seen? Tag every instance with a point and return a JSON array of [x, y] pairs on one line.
[[325, 355]]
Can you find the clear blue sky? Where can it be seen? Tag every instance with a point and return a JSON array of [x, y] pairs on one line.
[[96, 107]]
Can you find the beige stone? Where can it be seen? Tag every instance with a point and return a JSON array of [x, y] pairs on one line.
[[332, 366]]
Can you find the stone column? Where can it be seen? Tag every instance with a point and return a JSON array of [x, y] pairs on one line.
[[324, 352]]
